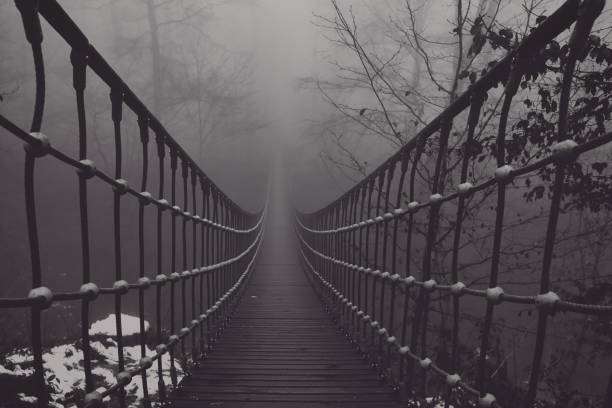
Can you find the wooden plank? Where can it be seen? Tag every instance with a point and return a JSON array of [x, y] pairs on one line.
[[281, 350]]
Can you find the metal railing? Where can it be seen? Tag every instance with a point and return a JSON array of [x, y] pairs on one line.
[[224, 239], [350, 247]]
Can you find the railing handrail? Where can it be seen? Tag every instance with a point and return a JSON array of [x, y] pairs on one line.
[[224, 238], [349, 248]]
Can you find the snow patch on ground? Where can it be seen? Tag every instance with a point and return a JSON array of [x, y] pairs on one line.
[[64, 364], [130, 325]]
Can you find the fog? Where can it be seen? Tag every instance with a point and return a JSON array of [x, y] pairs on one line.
[[242, 84]]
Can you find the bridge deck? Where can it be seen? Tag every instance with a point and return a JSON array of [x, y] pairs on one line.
[[282, 349]]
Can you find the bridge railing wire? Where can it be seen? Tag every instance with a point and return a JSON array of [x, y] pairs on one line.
[[350, 247], [224, 239]]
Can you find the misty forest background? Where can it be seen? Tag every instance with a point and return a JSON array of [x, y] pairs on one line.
[[335, 87]]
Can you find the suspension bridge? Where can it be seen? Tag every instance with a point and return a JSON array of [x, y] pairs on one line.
[[283, 309]]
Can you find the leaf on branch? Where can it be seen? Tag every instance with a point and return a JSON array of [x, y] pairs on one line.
[[362, 111]]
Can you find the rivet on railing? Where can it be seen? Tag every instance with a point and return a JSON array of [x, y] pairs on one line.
[[494, 295], [548, 300], [121, 186], [425, 363], [123, 378], [486, 401], [412, 206], [564, 150], [452, 380], [43, 296], [464, 188], [40, 147], [430, 285], [163, 203], [87, 169], [409, 280], [145, 198], [89, 291], [145, 362], [144, 282], [457, 288], [435, 198], [122, 286], [504, 174]]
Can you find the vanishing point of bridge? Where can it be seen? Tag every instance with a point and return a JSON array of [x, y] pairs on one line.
[[283, 309]]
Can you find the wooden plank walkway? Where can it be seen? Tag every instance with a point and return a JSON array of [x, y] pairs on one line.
[[281, 349]]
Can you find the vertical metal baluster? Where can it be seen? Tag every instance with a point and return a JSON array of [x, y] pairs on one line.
[[354, 261], [209, 261], [477, 100], [79, 65], [512, 84], [221, 270], [588, 12], [362, 261], [414, 332], [116, 97], [184, 217], [342, 256], [432, 232], [325, 222], [381, 181], [398, 206], [161, 152], [143, 124], [390, 174], [224, 269], [202, 264], [31, 24], [367, 310], [215, 252], [174, 274], [395, 275], [193, 276], [383, 281]]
